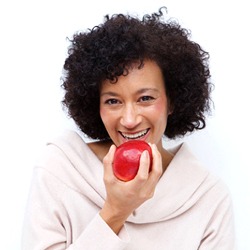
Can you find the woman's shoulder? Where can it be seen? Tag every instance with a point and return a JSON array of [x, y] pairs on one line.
[[67, 141], [74, 144], [68, 159], [186, 168]]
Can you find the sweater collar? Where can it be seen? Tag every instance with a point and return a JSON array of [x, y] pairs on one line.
[[176, 191]]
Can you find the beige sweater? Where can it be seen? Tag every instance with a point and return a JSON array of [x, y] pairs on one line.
[[191, 209]]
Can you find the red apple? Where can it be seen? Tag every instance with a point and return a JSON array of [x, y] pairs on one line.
[[127, 159]]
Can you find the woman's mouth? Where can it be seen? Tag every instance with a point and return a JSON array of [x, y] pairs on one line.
[[134, 136]]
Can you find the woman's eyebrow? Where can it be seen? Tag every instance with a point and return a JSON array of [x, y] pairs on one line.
[[143, 90], [139, 91], [110, 93]]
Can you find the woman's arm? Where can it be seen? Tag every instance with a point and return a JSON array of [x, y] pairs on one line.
[[47, 224], [124, 197]]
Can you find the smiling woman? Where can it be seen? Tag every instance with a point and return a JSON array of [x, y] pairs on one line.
[[130, 79], [120, 42]]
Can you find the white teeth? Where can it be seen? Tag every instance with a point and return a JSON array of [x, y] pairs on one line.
[[135, 136]]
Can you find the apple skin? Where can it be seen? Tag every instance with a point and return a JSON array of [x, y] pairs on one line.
[[127, 159]]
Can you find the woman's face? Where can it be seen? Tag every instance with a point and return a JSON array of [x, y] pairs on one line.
[[136, 107]]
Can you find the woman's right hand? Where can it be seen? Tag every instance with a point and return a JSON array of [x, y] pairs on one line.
[[124, 197]]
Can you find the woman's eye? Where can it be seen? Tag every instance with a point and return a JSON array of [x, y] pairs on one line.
[[146, 98], [111, 101]]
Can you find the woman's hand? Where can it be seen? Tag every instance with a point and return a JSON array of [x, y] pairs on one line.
[[124, 197]]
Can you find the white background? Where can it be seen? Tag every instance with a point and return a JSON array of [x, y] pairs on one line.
[[33, 47]]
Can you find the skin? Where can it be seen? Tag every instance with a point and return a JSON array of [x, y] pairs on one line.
[[135, 106]]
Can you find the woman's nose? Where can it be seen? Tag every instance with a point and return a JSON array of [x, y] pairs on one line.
[[130, 117]]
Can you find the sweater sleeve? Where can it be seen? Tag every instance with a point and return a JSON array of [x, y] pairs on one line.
[[98, 235], [219, 233], [44, 226]]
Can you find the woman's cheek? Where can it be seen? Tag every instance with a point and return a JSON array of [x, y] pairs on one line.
[[103, 114], [107, 116]]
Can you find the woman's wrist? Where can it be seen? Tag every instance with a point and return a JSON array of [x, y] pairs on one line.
[[113, 219]]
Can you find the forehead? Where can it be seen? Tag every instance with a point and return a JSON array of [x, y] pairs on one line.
[[149, 76]]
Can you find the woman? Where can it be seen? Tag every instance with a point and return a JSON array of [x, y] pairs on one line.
[[130, 79]]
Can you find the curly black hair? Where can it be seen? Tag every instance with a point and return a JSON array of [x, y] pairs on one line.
[[108, 51]]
